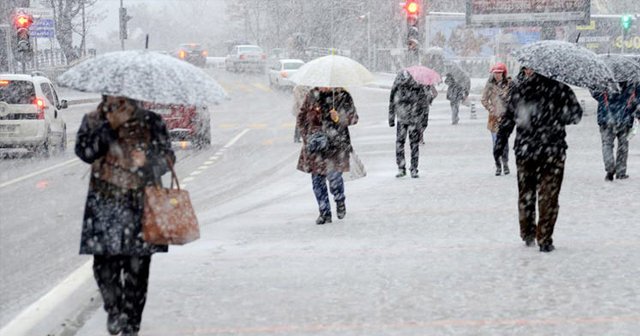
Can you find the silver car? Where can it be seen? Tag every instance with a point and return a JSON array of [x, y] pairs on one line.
[[281, 70], [30, 114], [246, 57]]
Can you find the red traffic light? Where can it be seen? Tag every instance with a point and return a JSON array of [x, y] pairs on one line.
[[23, 21], [412, 7]]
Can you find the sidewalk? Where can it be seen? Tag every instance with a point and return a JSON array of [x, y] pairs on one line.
[[438, 255]]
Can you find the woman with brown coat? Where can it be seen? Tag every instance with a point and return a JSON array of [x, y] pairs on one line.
[[495, 98], [323, 122], [128, 148]]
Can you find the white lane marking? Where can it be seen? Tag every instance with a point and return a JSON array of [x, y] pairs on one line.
[[39, 172], [236, 138], [196, 172], [208, 163], [187, 179], [46, 305]]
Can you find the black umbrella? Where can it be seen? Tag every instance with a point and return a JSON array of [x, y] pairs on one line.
[[623, 68], [567, 63]]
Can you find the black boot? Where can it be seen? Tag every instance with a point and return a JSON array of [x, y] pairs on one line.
[[414, 173], [115, 323], [323, 218], [498, 168], [505, 168], [401, 173], [341, 209], [608, 177], [547, 248]]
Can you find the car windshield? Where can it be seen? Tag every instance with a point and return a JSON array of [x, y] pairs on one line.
[[17, 92], [190, 47], [291, 65], [249, 49]]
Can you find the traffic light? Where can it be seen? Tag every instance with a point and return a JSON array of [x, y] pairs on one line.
[[626, 21], [22, 22], [413, 9]]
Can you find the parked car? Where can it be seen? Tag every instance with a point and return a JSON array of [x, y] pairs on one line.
[[281, 70], [30, 114], [246, 57], [188, 123], [192, 53]]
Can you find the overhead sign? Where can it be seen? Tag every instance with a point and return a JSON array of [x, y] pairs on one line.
[[505, 13], [36, 12]]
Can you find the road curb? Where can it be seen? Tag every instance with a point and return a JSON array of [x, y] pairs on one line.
[[80, 101]]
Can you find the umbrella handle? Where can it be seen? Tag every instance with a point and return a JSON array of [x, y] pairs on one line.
[[146, 42]]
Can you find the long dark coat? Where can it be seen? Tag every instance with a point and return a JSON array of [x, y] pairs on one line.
[[618, 108], [539, 109], [113, 212], [314, 116], [409, 101]]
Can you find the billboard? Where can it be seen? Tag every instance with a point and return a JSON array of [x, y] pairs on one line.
[[604, 35], [506, 13]]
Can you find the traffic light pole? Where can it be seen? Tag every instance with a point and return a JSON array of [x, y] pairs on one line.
[[9, 49]]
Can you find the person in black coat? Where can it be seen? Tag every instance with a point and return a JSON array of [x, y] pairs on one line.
[[457, 91], [539, 109], [128, 148], [409, 105]]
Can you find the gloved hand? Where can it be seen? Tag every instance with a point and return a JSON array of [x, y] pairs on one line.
[[392, 123]]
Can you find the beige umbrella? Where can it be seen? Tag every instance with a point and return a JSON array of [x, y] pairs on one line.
[[332, 71]]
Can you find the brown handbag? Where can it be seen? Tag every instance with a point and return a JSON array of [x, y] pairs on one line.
[[169, 218]]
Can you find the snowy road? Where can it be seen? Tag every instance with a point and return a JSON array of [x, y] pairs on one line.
[[439, 255]]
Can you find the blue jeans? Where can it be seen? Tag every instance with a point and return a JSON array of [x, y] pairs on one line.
[[500, 159], [336, 186]]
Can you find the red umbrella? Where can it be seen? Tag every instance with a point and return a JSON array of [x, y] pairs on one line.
[[424, 75]]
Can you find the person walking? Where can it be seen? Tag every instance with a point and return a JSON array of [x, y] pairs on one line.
[[495, 98], [128, 148], [323, 122], [456, 93], [539, 109], [299, 94], [409, 109], [615, 118]]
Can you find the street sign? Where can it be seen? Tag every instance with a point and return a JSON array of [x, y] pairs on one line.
[[43, 27], [504, 13]]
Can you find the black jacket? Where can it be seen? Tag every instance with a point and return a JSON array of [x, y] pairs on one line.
[[539, 109], [409, 101]]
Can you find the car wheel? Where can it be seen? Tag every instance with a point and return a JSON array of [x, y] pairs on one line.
[[43, 150], [203, 138]]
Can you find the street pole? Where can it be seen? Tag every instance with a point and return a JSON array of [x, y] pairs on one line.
[[121, 37], [9, 51], [369, 39], [84, 32]]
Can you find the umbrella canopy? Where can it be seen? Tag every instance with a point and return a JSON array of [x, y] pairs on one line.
[[332, 71], [424, 75], [567, 63], [623, 68], [146, 76]]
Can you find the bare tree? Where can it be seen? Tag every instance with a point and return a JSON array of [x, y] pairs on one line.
[[64, 13]]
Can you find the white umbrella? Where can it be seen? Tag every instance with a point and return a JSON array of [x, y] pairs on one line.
[[146, 76], [332, 71]]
